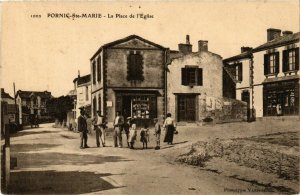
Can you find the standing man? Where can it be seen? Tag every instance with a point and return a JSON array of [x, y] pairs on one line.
[[82, 128], [118, 126], [99, 127]]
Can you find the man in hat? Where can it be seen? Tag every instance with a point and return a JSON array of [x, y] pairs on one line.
[[82, 128], [99, 127]]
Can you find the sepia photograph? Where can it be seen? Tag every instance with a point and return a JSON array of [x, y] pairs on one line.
[[150, 97]]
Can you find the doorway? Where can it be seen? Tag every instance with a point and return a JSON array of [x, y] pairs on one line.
[[187, 108]]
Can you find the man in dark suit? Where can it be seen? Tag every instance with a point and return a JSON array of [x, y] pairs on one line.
[[82, 128]]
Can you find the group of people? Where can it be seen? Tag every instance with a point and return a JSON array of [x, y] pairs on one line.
[[130, 129]]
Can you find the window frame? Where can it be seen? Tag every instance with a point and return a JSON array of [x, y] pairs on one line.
[[187, 72]]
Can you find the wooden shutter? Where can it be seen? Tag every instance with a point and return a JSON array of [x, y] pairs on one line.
[[277, 62], [285, 60], [94, 106], [99, 103], [297, 58], [139, 67], [266, 64], [94, 72], [240, 69], [183, 76], [200, 76], [99, 69]]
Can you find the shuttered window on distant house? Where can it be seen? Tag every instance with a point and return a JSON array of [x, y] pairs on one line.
[[94, 72], [271, 63], [290, 60], [99, 69], [191, 76], [238, 72], [135, 67]]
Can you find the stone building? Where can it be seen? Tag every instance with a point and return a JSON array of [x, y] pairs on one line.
[[82, 86], [194, 81], [32, 102], [271, 74], [128, 75]]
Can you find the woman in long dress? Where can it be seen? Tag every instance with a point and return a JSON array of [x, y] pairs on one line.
[[170, 126]]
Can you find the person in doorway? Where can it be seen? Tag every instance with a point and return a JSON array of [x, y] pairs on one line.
[[132, 134], [278, 110], [157, 131], [170, 127], [82, 128], [98, 124], [118, 127]]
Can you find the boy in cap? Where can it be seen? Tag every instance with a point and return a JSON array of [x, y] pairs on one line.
[[99, 128]]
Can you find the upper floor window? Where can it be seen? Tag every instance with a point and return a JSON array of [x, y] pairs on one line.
[[191, 76], [238, 72], [94, 72], [135, 66], [99, 69], [290, 60], [271, 63]]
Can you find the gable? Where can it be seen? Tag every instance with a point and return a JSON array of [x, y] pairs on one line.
[[135, 43]]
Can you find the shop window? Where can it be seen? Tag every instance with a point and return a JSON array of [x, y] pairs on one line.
[[135, 67], [191, 76], [290, 60], [143, 107], [271, 63]]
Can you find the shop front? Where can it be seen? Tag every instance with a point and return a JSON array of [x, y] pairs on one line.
[[283, 95], [139, 105]]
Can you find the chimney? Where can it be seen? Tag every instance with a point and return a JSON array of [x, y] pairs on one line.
[[273, 33], [78, 73], [202, 45], [187, 47], [245, 49], [287, 32]]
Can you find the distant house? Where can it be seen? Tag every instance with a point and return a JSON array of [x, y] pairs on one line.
[[267, 76], [8, 107], [82, 92], [32, 102], [192, 78], [5, 97], [128, 75]]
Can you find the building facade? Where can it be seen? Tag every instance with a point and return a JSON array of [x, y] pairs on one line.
[[272, 75], [128, 75], [83, 88], [32, 102], [193, 78]]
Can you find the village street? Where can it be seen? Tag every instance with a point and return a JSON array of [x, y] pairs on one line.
[[50, 161]]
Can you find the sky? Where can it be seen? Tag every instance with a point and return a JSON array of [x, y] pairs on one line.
[[45, 53]]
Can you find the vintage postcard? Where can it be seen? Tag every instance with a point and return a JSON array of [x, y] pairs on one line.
[[150, 97]]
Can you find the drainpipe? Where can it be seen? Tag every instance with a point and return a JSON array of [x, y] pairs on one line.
[[252, 117], [166, 81]]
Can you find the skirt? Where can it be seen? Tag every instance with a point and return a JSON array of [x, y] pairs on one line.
[[169, 134]]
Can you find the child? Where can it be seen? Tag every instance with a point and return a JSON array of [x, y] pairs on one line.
[[144, 136], [157, 133], [132, 134]]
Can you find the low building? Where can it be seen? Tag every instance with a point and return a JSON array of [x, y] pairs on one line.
[[128, 75], [194, 81], [8, 107], [32, 102]]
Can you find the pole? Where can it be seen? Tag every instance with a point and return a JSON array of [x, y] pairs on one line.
[[16, 113], [7, 155]]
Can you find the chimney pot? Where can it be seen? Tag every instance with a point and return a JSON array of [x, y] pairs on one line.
[[273, 33], [202, 45], [188, 39], [287, 32], [245, 49]]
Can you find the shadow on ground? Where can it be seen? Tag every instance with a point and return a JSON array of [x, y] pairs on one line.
[[38, 160], [52, 182], [31, 147], [29, 132]]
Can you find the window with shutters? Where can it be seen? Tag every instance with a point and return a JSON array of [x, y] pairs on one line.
[[135, 67], [290, 60], [99, 103], [99, 69], [94, 72], [271, 63], [94, 106], [86, 93], [191, 76], [238, 73]]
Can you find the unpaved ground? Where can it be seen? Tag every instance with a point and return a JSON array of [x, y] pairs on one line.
[[50, 161]]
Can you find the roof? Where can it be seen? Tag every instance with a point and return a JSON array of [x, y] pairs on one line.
[[5, 95], [124, 40], [83, 79], [280, 41], [27, 94], [177, 54], [244, 55]]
